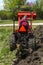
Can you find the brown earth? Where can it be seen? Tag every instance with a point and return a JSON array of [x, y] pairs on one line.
[[36, 58]]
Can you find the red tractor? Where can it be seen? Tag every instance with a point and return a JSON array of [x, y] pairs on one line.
[[22, 38]]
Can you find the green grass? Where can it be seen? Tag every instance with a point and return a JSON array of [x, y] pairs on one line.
[[38, 21], [11, 22], [34, 21], [6, 22], [6, 56]]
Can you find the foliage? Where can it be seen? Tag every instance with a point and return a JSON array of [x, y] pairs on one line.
[[13, 6], [38, 7], [5, 15], [26, 8], [6, 56]]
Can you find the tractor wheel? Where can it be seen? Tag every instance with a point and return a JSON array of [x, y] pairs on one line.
[[32, 42], [12, 42]]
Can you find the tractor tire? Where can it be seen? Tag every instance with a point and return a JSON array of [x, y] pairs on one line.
[[12, 42], [32, 42]]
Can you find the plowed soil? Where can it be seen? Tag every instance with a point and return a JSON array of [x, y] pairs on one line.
[[36, 58]]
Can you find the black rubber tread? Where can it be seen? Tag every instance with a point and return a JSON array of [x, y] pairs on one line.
[[12, 42], [32, 42]]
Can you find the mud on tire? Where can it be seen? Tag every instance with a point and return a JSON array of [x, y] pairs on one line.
[[12, 42], [32, 42]]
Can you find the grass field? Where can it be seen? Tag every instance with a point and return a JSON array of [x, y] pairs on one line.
[[11, 22], [6, 22], [6, 56], [38, 21]]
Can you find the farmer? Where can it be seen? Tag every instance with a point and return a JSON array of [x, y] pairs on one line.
[[24, 22]]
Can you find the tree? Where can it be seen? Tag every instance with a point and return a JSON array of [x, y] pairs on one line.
[[5, 14], [38, 7], [13, 6]]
